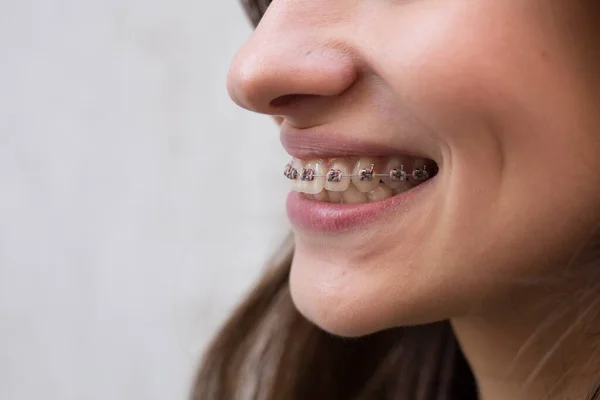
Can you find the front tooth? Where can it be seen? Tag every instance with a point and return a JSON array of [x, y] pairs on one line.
[[365, 185], [397, 163], [381, 192], [321, 196], [336, 197], [341, 169], [315, 184], [353, 196], [296, 183]]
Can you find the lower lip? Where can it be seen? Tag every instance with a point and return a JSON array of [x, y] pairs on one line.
[[324, 217]]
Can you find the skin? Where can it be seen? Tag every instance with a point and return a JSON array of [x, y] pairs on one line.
[[506, 93]]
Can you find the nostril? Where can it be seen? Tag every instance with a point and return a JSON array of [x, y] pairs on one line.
[[288, 99]]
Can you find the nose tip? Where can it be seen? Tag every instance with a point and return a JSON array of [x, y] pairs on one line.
[[265, 75]]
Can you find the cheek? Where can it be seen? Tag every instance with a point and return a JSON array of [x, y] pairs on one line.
[[499, 96], [502, 95], [449, 66], [480, 72]]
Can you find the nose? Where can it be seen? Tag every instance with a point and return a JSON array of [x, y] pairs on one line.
[[289, 61]]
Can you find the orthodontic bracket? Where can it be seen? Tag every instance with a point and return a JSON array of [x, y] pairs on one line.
[[290, 172], [398, 175], [335, 175]]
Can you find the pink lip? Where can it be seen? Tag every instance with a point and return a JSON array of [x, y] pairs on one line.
[[324, 217], [306, 144]]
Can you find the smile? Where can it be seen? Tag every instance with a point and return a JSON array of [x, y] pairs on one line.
[[357, 180], [343, 193]]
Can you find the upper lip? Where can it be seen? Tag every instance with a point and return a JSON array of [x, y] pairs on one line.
[[311, 143]]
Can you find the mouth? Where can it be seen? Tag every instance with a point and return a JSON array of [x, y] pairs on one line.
[[358, 180], [337, 194], [343, 180]]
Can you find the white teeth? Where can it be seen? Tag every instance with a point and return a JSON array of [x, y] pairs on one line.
[[362, 183], [296, 183], [338, 179], [336, 197], [381, 192], [372, 179], [321, 196], [315, 184], [353, 196]]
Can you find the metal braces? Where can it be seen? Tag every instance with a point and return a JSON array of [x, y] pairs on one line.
[[365, 174]]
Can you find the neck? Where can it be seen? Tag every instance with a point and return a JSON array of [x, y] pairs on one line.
[[540, 346]]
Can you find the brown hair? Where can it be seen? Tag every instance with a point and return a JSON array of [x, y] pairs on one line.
[[268, 351]]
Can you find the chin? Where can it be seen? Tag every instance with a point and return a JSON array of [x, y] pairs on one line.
[[351, 300]]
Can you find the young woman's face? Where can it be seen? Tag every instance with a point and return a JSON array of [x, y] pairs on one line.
[[500, 95]]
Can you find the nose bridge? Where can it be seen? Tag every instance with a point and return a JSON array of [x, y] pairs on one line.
[[294, 51]]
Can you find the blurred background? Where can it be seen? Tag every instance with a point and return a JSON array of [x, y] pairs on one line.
[[131, 221]]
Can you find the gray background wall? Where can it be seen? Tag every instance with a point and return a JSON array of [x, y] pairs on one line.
[[126, 235]]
